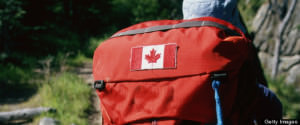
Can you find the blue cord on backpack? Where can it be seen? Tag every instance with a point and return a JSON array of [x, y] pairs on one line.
[[215, 86]]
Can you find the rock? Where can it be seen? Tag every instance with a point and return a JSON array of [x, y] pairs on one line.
[[266, 61], [289, 65], [48, 121], [287, 62], [289, 46], [266, 23], [297, 47], [264, 47], [266, 34], [261, 13], [293, 75], [264, 38]]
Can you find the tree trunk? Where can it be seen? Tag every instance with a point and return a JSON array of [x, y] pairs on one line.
[[23, 114]]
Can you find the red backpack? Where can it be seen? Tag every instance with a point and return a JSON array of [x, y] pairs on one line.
[[170, 72]]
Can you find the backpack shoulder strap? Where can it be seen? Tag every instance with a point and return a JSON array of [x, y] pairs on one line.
[[179, 25]]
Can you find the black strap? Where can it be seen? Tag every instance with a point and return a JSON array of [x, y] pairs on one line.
[[175, 26]]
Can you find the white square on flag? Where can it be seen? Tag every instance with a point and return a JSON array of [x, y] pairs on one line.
[[153, 57]]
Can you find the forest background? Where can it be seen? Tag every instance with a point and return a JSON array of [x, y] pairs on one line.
[[43, 41]]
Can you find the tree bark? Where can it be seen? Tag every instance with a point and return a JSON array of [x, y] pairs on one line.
[[23, 114], [279, 39]]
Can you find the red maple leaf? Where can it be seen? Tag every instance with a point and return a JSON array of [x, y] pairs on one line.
[[153, 57]]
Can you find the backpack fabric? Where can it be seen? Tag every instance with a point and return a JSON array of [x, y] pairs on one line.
[[161, 72]]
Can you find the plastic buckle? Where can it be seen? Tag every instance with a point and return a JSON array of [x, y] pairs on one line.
[[99, 84], [218, 76]]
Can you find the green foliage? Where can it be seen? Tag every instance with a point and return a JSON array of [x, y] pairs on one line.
[[70, 96], [11, 74], [140, 10], [288, 96], [135, 11], [94, 43], [11, 12], [17, 83], [79, 60], [248, 9], [51, 42], [37, 29]]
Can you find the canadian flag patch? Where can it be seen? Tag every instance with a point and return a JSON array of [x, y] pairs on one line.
[[153, 57]]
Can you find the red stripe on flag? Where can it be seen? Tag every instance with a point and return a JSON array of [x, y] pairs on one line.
[[170, 56], [136, 58]]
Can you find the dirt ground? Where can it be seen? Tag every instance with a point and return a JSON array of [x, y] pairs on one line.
[[28, 99], [86, 72]]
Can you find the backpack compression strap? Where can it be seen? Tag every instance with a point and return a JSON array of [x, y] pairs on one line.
[[175, 26], [216, 82], [215, 86]]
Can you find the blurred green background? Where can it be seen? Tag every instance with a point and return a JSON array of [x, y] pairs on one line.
[[41, 41]]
